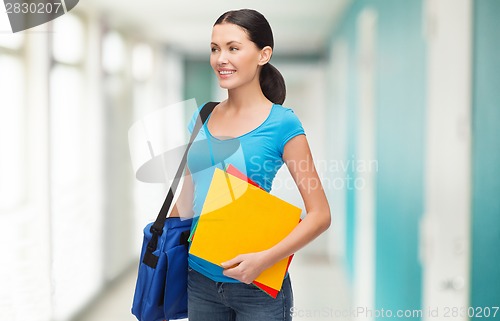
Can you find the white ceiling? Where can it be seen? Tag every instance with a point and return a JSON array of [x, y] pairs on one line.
[[300, 27]]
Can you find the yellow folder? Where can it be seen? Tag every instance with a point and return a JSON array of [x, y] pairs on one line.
[[238, 218]]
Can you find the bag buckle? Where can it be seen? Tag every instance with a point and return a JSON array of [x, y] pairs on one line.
[[153, 230]]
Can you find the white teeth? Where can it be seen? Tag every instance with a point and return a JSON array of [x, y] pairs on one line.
[[226, 72]]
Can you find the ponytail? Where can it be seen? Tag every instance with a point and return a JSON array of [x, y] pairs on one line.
[[272, 84]]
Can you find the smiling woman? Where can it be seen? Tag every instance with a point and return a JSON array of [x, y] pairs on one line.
[[267, 132]]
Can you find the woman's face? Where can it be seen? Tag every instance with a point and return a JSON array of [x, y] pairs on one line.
[[234, 58]]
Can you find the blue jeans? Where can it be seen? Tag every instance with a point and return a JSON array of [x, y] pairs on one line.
[[218, 301]]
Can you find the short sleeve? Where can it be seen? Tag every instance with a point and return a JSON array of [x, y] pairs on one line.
[[290, 127]]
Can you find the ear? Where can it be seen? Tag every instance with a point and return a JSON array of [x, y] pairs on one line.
[[265, 55]]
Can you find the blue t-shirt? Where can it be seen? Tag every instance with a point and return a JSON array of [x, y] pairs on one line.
[[257, 154]]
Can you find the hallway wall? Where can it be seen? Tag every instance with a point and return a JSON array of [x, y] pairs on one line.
[[391, 77], [398, 115], [485, 225]]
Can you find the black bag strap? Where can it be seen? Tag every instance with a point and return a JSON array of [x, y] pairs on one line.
[[157, 227]]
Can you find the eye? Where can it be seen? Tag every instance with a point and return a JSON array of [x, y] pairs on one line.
[[214, 49], [233, 49]]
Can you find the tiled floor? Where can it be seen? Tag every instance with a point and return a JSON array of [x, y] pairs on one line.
[[320, 293]]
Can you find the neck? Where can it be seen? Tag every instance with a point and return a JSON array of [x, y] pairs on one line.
[[246, 96]]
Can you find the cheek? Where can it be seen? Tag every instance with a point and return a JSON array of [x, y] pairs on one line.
[[248, 62]]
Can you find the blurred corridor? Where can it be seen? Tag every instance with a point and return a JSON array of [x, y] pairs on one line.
[[400, 100]]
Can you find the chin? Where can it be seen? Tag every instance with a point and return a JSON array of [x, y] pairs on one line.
[[227, 86]]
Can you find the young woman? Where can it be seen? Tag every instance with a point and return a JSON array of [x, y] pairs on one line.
[[268, 135]]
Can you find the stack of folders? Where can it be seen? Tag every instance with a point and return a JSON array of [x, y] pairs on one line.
[[239, 217]]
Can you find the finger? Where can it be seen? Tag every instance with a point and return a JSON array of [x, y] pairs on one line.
[[231, 263], [227, 273], [230, 273]]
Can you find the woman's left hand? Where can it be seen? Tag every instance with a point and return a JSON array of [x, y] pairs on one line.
[[245, 267]]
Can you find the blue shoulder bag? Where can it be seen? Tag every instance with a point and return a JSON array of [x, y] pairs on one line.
[[161, 288]]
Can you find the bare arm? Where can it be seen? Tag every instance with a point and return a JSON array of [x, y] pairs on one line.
[[297, 156], [299, 161]]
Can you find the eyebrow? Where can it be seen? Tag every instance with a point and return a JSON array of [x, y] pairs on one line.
[[228, 43]]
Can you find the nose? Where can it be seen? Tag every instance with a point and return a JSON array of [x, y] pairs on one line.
[[222, 58]]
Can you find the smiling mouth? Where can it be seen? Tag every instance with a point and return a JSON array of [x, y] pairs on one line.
[[226, 72]]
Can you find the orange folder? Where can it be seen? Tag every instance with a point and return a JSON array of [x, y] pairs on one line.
[[239, 217]]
